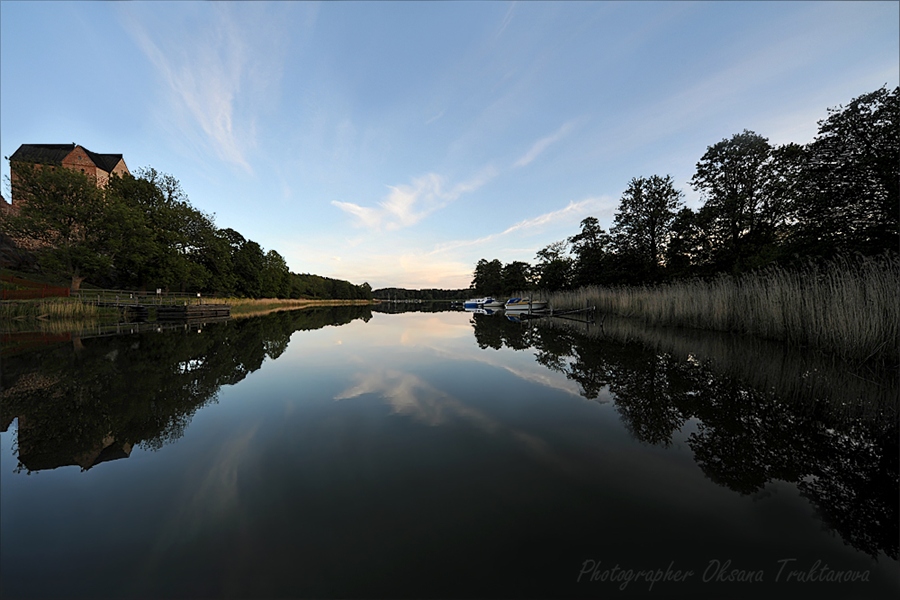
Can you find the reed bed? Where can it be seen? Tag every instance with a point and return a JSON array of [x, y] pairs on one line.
[[809, 379], [55, 308], [847, 307]]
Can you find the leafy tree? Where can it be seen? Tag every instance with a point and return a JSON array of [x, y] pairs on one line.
[[689, 250], [162, 243], [850, 196], [515, 277], [275, 276], [249, 262], [731, 176], [65, 213], [488, 277], [644, 220], [590, 247], [554, 267]]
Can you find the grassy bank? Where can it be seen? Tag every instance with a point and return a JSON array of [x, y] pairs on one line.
[[247, 307], [848, 307]]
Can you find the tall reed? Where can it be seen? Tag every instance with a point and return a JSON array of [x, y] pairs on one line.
[[847, 307], [56, 308]]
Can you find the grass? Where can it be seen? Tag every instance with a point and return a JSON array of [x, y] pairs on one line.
[[847, 307], [248, 307], [69, 309]]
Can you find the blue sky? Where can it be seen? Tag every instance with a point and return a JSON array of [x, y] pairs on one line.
[[398, 143]]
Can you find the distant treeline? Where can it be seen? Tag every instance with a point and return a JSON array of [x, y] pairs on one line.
[[428, 294], [141, 232], [762, 205]]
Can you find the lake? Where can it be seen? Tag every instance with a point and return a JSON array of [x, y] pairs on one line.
[[359, 452]]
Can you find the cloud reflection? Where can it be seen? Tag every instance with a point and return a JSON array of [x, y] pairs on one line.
[[411, 396]]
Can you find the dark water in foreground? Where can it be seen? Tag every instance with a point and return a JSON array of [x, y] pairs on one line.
[[344, 453]]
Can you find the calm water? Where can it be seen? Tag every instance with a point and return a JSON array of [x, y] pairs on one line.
[[351, 453]]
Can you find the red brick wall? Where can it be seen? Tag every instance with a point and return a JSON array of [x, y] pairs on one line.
[[78, 160]]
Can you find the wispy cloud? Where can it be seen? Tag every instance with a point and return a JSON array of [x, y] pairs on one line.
[[542, 144], [212, 71], [435, 118], [507, 18], [574, 211], [406, 205]]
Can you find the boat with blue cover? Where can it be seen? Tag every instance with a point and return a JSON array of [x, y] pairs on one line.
[[486, 302]]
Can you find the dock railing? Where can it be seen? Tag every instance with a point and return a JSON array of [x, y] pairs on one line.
[[134, 298]]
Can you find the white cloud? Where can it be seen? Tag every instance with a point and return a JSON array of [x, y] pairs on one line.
[[542, 144], [406, 205], [212, 71], [574, 211]]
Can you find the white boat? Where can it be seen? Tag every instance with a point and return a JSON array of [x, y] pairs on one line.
[[486, 302], [524, 304]]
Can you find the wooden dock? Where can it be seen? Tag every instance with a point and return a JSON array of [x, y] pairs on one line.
[[192, 312], [175, 307]]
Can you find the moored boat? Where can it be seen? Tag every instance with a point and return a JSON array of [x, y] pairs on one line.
[[525, 304], [486, 302]]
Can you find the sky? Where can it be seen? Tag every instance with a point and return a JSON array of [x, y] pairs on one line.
[[399, 143]]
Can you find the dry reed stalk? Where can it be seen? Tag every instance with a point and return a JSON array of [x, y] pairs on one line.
[[847, 307]]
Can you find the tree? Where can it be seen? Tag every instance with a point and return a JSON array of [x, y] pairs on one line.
[[249, 262], [643, 221], [488, 277], [554, 267], [65, 214], [162, 239], [689, 251], [850, 197], [515, 277], [274, 279], [590, 250], [731, 176]]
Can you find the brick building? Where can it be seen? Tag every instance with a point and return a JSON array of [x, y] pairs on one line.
[[98, 167]]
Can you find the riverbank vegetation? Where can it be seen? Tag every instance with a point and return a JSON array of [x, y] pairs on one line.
[[251, 307], [791, 242], [141, 232], [52, 308], [847, 307], [428, 294]]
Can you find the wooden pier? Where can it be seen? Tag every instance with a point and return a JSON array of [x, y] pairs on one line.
[[192, 312], [136, 306]]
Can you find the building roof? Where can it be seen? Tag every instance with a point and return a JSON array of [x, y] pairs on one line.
[[107, 162], [53, 154], [44, 154]]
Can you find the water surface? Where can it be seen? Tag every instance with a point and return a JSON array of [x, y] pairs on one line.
[[348, 453]]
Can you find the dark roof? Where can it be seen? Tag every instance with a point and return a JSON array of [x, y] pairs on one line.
[[107, 162], [53, 154], [44, 154]]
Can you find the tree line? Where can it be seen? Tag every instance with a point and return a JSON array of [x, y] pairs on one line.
[[141, 232], [762, 205], [424, 294]]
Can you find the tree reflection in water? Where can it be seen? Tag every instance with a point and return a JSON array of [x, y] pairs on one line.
[[762, 412], [95, 399]]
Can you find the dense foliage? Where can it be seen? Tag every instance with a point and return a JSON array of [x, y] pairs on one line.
[[424, 294], [141, 232], [762, 205]]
